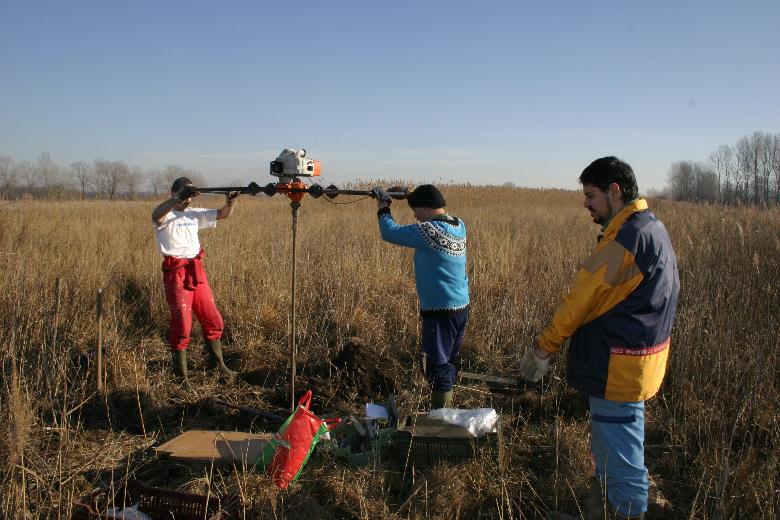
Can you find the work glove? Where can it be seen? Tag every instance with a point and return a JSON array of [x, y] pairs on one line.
[[186, 192], [532, 367], [381, 196], [401, 191]]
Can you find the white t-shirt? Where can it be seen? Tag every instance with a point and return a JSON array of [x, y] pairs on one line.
[[178, 234]]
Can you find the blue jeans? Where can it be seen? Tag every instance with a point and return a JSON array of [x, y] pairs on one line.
[[618, 447]]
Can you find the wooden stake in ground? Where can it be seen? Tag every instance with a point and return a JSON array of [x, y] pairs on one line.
[[57, 297], [99, 346], [52, 372]]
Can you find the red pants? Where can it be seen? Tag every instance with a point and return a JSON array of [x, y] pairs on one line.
[[185, 297]]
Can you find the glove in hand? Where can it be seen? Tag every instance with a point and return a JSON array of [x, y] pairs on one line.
[[532, 367], [402, 192], [381, 196]]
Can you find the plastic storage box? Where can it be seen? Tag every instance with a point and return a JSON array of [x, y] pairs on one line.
[[422, 442]]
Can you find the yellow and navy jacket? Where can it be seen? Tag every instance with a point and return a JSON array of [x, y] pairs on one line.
[[620, 311]]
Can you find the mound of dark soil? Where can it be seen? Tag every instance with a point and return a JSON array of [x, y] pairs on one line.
[[355, 375], [360, 369]]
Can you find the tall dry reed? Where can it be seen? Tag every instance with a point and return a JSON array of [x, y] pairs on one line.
[[713, 432]]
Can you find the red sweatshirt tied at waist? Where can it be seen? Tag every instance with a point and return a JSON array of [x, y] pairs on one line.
[[194, 273]]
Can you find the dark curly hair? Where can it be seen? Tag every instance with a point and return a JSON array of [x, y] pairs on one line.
[[603, 172]]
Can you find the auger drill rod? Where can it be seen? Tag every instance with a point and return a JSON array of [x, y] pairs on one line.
[[332, 192], [315, 190]]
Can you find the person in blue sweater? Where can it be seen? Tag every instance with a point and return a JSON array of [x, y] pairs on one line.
[[439, 243]]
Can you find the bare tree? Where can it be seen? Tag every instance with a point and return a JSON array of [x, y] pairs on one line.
[[196, 178], [655, 193], [776, 165], [742, 153], [82, 174], [707, 185], [118, 173], [100, 179], [722, 161], [156, 179], [133, 181], [750, 153], [689, 180], [173, 172], [765, 153], [748, 172], [109, 176], [49, 174], [26, 172], [7, 175], [680, 180]]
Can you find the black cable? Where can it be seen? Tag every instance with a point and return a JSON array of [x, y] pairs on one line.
[[350, 202]]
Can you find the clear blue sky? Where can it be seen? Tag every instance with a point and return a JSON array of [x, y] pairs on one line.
[[480, 91]]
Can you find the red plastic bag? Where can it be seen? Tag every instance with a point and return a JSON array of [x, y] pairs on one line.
[[286, 454]]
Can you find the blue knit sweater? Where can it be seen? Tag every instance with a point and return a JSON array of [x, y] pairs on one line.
[[439, 259]]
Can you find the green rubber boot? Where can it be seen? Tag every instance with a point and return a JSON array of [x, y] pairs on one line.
[[179, 364], [441, 399], [214, 347]]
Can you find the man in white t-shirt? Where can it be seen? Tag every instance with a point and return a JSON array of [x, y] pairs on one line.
[[186, 286]]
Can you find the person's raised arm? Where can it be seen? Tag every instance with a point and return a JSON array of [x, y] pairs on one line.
[[186, 192], [391, 231], [230, 199]]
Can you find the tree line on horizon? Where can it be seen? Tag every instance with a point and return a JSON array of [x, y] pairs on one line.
[[746, 173], [101, 179]]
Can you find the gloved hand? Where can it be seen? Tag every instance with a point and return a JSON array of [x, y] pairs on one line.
[[381, 196], [532, 367], [403, 192], [186, 192]]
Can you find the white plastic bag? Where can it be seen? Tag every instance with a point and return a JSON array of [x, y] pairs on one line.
[[128, 513], [477, 421]]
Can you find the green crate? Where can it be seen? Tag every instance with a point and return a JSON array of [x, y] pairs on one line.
[[380, 448]]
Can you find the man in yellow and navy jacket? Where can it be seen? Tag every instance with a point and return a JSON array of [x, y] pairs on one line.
[[619, 316]]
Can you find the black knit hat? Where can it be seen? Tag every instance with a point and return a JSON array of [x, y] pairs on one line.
[[179, 184], [426, 196]]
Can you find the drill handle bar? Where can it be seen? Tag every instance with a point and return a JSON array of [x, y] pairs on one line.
[[252, 189], [398, 193], [315, 190]]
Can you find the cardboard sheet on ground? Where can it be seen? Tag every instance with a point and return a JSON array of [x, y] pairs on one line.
[[493, 383], [238, 448]]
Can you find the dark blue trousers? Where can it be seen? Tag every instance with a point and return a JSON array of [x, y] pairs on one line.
[[442, 336]]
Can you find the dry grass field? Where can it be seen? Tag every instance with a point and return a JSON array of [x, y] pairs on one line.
[[713, 433]]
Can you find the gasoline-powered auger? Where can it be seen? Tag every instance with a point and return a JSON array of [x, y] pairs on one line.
[[290, 166]]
